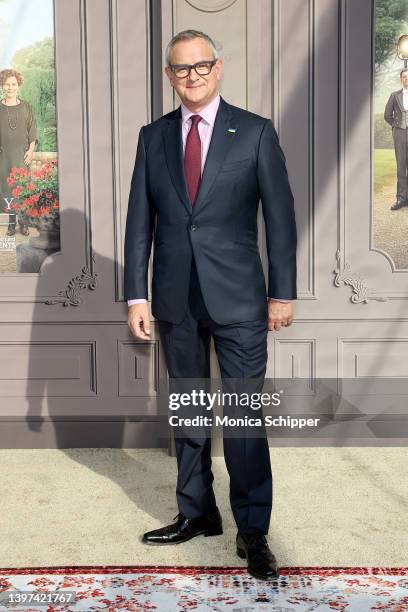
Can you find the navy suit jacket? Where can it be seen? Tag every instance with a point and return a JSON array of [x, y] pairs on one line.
[[244, 164]]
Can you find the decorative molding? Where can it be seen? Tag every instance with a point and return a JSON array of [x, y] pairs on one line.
[[279, 106], [361, 292], [138, 369], [210, 6], [67, 367], [348, 37], [296, 344], [373, 247], [78, 9], [85, 280], [120, 14]]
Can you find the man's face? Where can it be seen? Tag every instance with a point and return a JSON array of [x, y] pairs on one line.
[[404, 78], [194, 91]]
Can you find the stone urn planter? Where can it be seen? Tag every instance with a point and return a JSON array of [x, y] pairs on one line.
[[30, 256], [49, 230], [36, 191]]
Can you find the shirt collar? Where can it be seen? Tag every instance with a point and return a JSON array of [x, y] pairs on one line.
[[208, 113]]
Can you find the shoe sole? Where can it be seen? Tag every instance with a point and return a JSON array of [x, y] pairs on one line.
[[242, 555], [206, 534]]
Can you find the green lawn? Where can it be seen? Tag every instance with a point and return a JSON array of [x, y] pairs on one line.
[[385, 168]]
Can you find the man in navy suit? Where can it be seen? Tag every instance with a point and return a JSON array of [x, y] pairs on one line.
[[199, 175]]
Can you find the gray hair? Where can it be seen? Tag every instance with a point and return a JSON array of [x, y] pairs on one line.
[[189, 35]]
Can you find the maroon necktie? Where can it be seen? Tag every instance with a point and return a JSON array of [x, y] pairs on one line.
[[192, 159]]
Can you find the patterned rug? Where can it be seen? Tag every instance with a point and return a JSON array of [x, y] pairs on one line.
[[203, 589]]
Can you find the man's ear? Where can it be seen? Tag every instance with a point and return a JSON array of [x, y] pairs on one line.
[[219, 67], [169, 74]]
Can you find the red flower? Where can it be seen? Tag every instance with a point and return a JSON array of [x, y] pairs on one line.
[[37, 190]]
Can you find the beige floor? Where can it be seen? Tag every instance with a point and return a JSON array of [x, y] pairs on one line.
[[332, 506]]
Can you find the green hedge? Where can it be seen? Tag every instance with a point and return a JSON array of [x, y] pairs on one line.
[[49, 139], [382, 133]]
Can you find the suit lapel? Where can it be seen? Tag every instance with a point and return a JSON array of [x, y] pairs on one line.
[[173, 148], [221, 142]]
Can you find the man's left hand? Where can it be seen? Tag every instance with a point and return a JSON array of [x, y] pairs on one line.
[[280, 314]]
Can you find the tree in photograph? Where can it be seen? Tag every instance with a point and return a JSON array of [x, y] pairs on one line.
[[36, 63], [391, 17]]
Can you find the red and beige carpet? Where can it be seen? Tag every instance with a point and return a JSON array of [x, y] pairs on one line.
[[205, 589]]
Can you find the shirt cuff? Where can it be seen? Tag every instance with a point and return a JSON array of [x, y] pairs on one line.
[[144, 301], [279, 300]]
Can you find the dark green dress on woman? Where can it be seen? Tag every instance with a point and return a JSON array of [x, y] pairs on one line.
[[17, 130]]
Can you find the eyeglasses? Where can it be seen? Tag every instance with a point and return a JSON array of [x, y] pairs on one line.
[[181, 71]]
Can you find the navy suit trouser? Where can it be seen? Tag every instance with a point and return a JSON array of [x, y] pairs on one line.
[[241, 350]]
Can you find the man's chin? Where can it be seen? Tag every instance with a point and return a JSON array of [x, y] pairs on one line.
[[196, 97]]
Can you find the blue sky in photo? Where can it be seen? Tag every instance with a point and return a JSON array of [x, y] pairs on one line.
[[22, 23]]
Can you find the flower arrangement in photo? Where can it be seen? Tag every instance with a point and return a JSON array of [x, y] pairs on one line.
[[37, 192]]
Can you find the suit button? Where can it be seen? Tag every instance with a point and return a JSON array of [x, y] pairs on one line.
[[194, 228]]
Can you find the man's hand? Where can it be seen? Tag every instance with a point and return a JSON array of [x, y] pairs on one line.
[[139, 321], [280, 314]]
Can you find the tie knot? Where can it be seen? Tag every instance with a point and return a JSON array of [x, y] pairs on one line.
[[195, 119]]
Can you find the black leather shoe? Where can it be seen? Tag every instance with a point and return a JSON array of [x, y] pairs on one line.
[[261, 562], [398, 204], [185, 528], [11, 230]]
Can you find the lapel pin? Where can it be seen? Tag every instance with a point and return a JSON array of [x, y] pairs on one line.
[[232, 130]]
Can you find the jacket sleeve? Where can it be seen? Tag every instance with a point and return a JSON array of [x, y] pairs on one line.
[[389, 110], [279, 214], [139, 229]]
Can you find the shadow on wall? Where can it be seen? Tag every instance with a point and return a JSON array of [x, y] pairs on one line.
[[60, 406]]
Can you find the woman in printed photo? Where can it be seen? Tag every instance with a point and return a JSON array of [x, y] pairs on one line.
[[18, 137]]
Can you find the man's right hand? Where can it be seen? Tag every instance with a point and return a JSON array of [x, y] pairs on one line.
[[139, 321]]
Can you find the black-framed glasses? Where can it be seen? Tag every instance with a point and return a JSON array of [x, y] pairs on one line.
[[181, 71]]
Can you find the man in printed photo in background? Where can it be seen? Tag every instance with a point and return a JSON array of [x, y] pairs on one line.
[[396, 114]]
